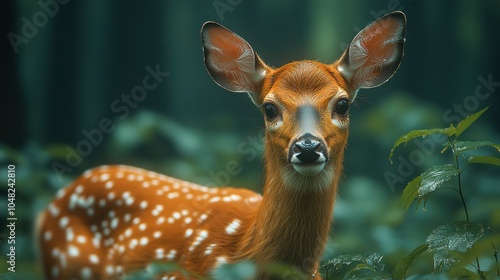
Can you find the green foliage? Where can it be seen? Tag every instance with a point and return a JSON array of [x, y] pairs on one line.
[[434, 178], [410, 193], [449, 131], [456, 236], [420, 133], [356, 267], [484, 160], [450, 244], [402, 268], [455, 247], [430, 180], [462, 146], [463, 125]]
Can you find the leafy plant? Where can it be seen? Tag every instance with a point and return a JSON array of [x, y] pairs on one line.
[[455, 247], [450, 244], [356, 267]]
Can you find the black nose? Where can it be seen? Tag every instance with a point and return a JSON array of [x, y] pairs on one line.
[[308, 148]]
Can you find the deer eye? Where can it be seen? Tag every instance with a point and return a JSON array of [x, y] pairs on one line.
[[342, 107], [270, 111]]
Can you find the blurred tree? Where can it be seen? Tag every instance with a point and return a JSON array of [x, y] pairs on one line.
[[12, 107]]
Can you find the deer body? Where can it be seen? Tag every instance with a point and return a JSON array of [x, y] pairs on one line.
[[116, 219]]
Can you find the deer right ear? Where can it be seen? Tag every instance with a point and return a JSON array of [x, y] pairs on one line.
[[231, 61], [375, 53]]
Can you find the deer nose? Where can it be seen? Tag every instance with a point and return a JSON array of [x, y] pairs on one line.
[[308, 149]]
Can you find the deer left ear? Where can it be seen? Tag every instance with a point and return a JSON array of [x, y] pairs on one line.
[[375, 53], [231, 61]]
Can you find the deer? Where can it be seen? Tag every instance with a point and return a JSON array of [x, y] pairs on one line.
[[116, 219]]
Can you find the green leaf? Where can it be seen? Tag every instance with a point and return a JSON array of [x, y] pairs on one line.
[[372, 262], [482, 248], [464, 124], [410, 192], [434, 178], [446, 145], [462, 146], [430, 180], [449, 131], [403, 266], [342, 260], [375, 261], [457, 236], [363, 271], [359, 267], [484, 160], [352, 273]]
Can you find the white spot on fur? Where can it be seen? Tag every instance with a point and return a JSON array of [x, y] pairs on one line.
[[159, 253], [47, 236], [63, 222], [54, 210], [210, 249], [171, 255], [94, 259], [104, 177], [81, 239], [73, 251], [233, 227], [109, 184]]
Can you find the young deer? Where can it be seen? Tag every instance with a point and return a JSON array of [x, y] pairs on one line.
[[116, 219]]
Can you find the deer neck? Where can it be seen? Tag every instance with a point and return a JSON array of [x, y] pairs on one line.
[[293, 221]]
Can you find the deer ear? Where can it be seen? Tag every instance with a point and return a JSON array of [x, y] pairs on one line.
[[375, 53], [231, 61]]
